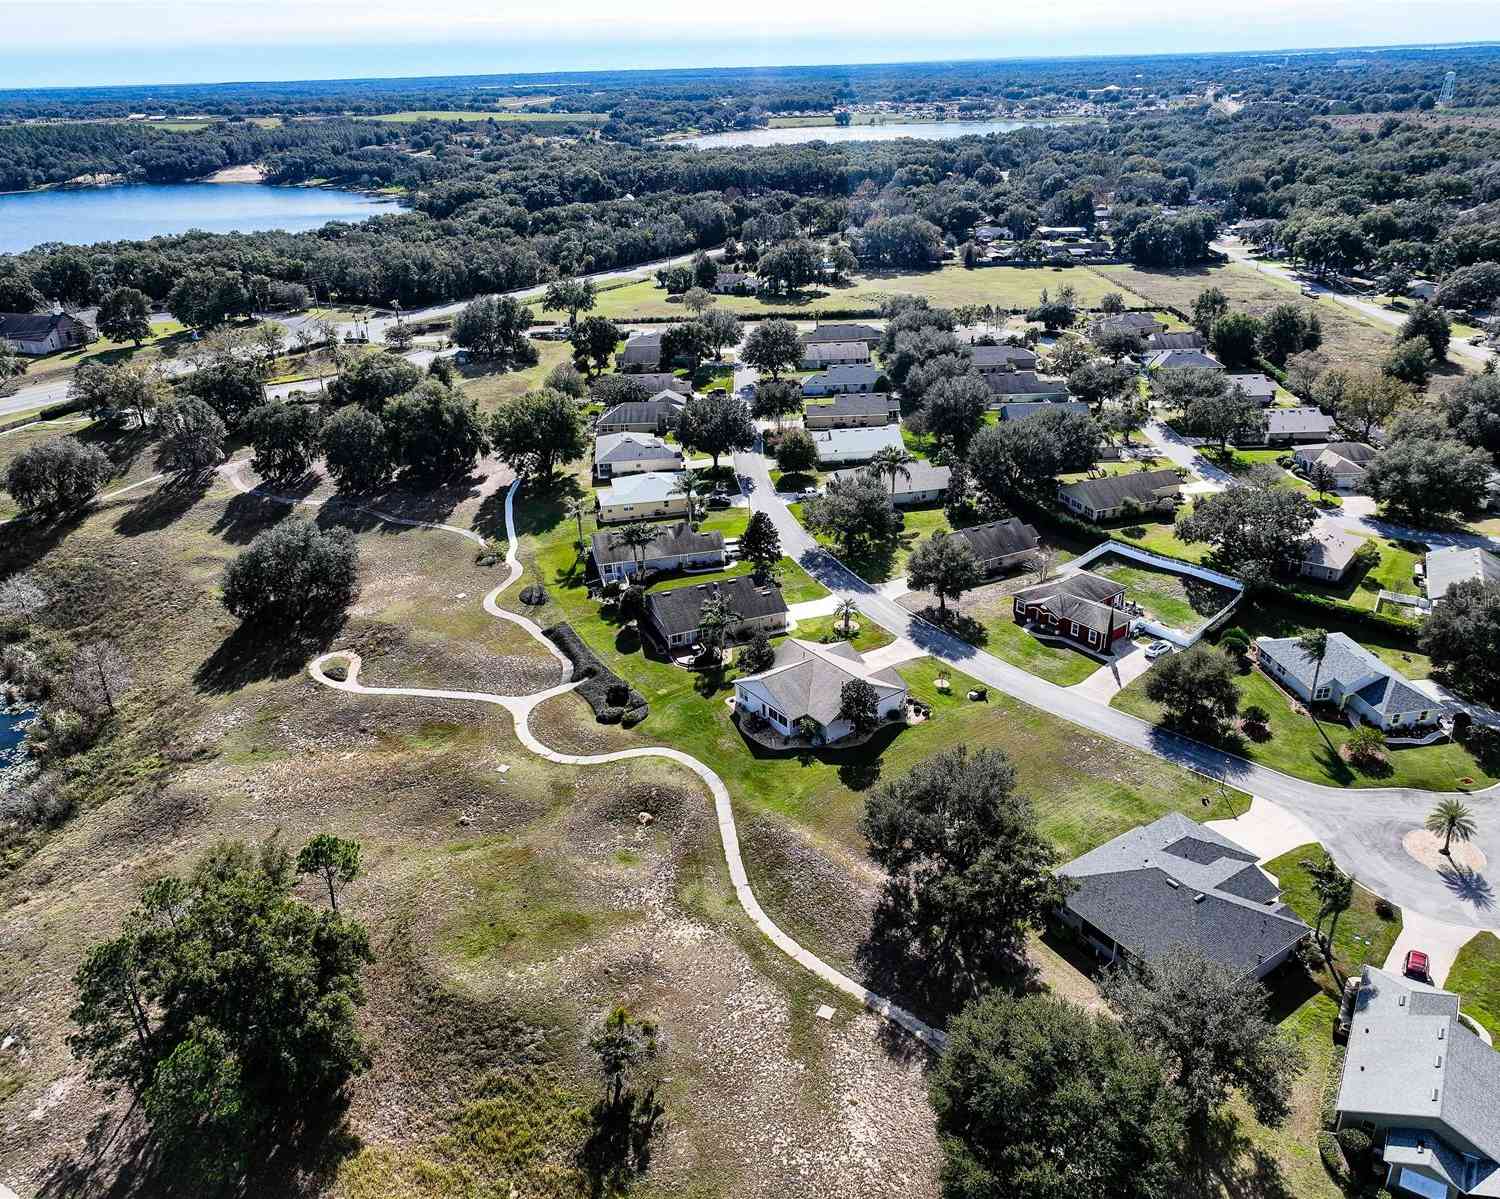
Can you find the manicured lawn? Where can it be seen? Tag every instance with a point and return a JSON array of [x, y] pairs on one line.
[[1010, 642], [1176, 600], [1240, 462], [1010, 287], [880, 565], [1476, 977], [729, 521], [165, 340], [1107, 469], [1363, 935], [1160, 537], [490, 388], [869, 636], [1306, 749], [1392, 572]]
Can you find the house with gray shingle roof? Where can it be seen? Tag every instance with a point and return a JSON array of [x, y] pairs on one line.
[[987, 360], [618, 454], [1455, 564], [641, 352], [675, 616], [1347, 461], [806, 681], [1017, 387], [1289, 426], [676, 547], [1328, 553], [851, 411], [837, 380], [1426, 1086], [1001, 544], [1118, 495], [923, 483], [1174, 885], [1349, 678], [1081, 606], [820, 354], [1183, 360]]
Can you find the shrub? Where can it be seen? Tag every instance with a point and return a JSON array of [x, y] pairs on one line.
[[597, 683], [1255, 714], [1356, 1147], [1366, 744], [758, 654], [1333, 1158], [1328, 1111]]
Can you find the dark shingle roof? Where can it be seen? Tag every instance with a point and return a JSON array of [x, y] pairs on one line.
[[1024, 383], [676, 610], [1189, 340], [841, 332], [673, 541], [29, 326], [1000, 537], [857, 403], [644, 412], [1112, 491], [1081, 584], [1018, 356], [1136, 322]]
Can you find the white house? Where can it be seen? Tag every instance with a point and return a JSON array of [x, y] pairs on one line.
[[923, 482], [617, 454], [807, 680], [821, 354], [1329, 554], [852, 447], [648, 496], [1347, 461], [841, 379], [676, 547], [1349, 678], [1442, 568], [42, 332]]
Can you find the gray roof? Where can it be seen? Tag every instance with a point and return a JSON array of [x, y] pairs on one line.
[[999, 538], [1254, 385], [1024, 408], [642, 348], [1145, 487], [825, 351], [921, 475], [1004, 355], [1331, 547], [659, 381], [1174, 884], [673, 541], [842, 332], [1024, 383], [1134, 322], [1454, 564], [631, 447], [1190, 339], [1345, 663], [1175, 360], [845, 375], [1297, 420], [641, 412], [837, 444], [1409, 1058], [677, 609], [856, 403], [31, 326], [807, 679]]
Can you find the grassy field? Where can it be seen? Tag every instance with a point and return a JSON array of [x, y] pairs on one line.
[[867, 636], [1476, 976], [1176, 600], [1363, 935], [491, 388], [132, 456], [165, 340], [1010, 287]]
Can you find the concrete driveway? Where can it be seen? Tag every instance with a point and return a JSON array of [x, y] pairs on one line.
[[1267, 830], [1438, 940], [1123, 670]]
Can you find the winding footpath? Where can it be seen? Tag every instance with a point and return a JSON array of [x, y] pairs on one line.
[[520, 709]]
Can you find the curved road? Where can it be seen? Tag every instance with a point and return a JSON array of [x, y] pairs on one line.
[[1361, 827]]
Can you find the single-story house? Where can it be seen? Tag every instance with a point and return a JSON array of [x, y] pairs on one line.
[[988, 360], [1329, 554], [1019, 387], [1121, 495], [1183, 360], [837, 380], [645, 416], [1349, 677], [641, 352], [1424, 1086], [673, 616], [648, 496], [1291, 426], [618, 454], [1001, 544], [734, 283], [1189, 339], [924, 482], [843, 331], [1347, 460], [852, 447], [1174, 885], [852, 411], [676, 547], [1255, 386], [1025, 408], [1081, 606], [42, 332], [988, 233], [1422, 289], [806, 682], [1142, 324], [823, 354], [657, 382], [1456, 564]]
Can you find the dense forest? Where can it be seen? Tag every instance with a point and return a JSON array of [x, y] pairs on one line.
[[493, 207]]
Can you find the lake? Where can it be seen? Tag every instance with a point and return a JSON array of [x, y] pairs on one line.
[[925, 130], [82, 216]]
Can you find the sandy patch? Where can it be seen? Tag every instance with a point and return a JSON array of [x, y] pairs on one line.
[[247, 173], [1427, 848]]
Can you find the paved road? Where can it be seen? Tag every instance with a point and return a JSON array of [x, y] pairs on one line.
[[1361, 827], [1240, 253]]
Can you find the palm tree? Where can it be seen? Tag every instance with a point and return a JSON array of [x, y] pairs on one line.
[[715, 619], [844, 611], [1450, 819], [1314, 643], [577, 510], [690, 483], [892, 462], [637, 535]]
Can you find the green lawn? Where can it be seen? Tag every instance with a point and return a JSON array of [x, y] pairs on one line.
[[949, 285], [490, 388], [880, 565], [869, 635], [1010, 642], [1476, 977], [1239, 462], [1362, 588], [1176, 600], [165, 340], [1306, 749], [1363, 935]]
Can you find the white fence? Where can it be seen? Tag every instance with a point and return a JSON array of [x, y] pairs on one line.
[[1165, 632]]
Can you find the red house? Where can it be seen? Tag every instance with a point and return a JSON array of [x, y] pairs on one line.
[[1083, 607]]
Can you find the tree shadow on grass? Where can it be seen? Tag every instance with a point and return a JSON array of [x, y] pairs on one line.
[[246, 516], [255, 652], [164, 506], [962, 626], [27, 540], [541, 505], [623, 1128], [1224, 1163]]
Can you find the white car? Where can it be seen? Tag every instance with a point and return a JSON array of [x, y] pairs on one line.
[[1156, 649]]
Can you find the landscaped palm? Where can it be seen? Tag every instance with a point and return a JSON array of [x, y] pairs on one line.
[[844, 610], [578, 509], [1314, 643], [636, 536], [892, 463], [690, 483], [1450, 819], [714, 622]]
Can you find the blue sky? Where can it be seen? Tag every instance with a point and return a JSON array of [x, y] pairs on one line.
[[71, 42]]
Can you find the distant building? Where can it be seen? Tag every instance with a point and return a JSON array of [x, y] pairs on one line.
[[1022, 387], [37, 333], [923, 482], [842, 331], [821, 354], [1178, 360], [1289, 426], [1030, 408], [1190, 339], [988, 360]]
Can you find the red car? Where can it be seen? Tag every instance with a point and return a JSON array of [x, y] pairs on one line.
[[1415, 965]]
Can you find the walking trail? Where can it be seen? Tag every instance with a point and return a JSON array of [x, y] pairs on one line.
[[520, 709]]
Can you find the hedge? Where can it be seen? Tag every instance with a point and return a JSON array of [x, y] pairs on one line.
[[1333, 1159], [613, 700], [51, 412], [1342, 610], [1328, 1112]]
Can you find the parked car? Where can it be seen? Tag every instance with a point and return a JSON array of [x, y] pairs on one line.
[[1416, 966], [748, 391], [718, 500], [1156, 649], [553, 333]]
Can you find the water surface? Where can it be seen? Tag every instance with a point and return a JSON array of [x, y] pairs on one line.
[[82, 216]]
